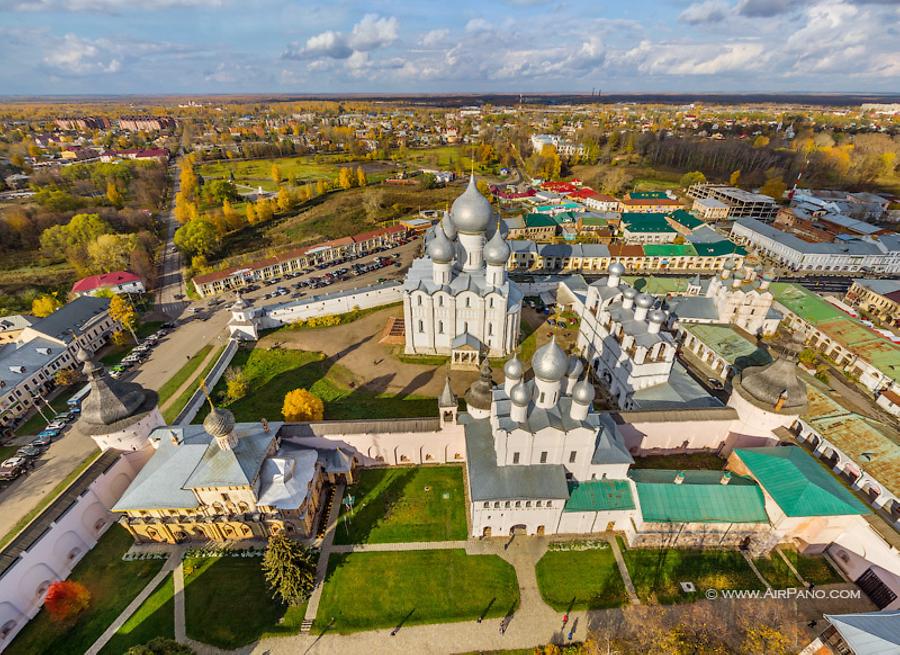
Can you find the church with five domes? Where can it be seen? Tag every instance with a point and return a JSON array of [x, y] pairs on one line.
[[458, 299]]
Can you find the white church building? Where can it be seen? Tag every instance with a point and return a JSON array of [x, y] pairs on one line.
[[458, 299]]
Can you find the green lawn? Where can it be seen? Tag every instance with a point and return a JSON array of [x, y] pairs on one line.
[[371, 590], [154, 618], [182, 375], [425, 503], [813, 568], [37, 423], [657, 572], [307, 168], [112, 583], [776, 572], [173, 410], [227, 603], [273, 372], [42, 505], [693, 461], [581, 580]]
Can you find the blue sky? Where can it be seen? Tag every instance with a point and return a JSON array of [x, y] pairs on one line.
[[236, 46]]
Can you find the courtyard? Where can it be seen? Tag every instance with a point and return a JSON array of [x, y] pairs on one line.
[[368, 590], [813, 569], [573, 576], [394, 505]]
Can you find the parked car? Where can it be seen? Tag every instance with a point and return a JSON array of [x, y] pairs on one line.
[[57, 425], [41, 442], [52, 433], [13, 467], [29, 451]]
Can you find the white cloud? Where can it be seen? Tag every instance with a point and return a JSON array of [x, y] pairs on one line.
[[370, 33], [74, 55], [477, 25], [710, 11], [434, 38]]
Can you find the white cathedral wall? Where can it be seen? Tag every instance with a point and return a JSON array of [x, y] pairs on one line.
[[363, 299], [591, 522], [675, 435], [59, 549], [502, 520]]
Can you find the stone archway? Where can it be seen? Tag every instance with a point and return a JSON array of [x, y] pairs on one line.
[[486, 532], [519, 529]]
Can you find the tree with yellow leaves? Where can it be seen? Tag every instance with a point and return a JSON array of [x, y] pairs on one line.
[[123, 313], [302, 405], [113, 194], [276, 174], [227, 209], [361, 177], [735, 178], [345, 180], [45, 304], [285, 200], [321, 188], [251, 213], [264, 210]]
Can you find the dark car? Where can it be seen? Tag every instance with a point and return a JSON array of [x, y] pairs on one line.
[[13, 468], [41, 442], [29, 451]]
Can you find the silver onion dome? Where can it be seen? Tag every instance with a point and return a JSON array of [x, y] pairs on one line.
[[219, 422], [645, 301], [550, 362], [658, 316], [616, 269], [448, 226], [471, 212], [496, 250], [519, 395], [576, 367], [439, 248], [514, 369], [583, 393], [629, 292]]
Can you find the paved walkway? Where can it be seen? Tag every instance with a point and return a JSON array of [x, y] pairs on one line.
[[172, 562], [623, 570], [178, 602], [754, 569], [210, 357], [325, 550]]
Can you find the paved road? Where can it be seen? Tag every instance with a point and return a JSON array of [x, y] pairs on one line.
[[170, 284]]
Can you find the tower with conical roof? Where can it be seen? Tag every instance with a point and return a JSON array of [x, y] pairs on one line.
[[116, 414]]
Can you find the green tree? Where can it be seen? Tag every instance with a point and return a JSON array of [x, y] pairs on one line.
[[112, 252], [236, 384], [218, 191], [198, 237], [290, 569], [161, 646], [689, 179]]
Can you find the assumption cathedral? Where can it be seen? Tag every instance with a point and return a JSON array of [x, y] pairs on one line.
[[458, 299]]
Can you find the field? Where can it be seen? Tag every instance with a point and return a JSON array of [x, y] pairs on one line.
[[112, 582], [580, 580], [271, 373], [405, 504], [227, 603], [306, 168], [364, 591]]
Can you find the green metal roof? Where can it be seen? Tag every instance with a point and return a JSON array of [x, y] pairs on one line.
[[540, 220], [599, 495], [805, 304], [718, 249], [669, 250], [686, 218], [593, 220], [648, 195], [798, 483], [700, 498], [729, 344], [651, 222]]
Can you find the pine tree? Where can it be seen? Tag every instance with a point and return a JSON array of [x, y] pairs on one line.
[[289, 569]]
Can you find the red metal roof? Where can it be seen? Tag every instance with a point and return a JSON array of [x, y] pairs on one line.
[[104, 280]]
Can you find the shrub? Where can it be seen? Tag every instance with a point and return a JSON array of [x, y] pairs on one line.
[[66, 599], [302, 405]]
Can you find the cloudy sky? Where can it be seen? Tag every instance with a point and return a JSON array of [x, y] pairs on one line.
[[306, 46]]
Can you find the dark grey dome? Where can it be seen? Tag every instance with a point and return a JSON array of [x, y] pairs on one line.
[[576, 367], [519, 395], [630, 292], [616, 269], [480, 394], [773, 384], [658, 316], [514, 369], [439, 248], [583, 393], [471, 212], [496, 250], [110, 401], [448, 226], [550, 362], [645, 300], [219, 422]]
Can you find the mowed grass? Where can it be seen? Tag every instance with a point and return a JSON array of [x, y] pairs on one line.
[[364, 591], [154, 618], [273, 372], [580, 580], [59, 404], [812, 568], [692, 461], [173, 410], [656, 573], [112, 583], [227, 603], [405, 504]]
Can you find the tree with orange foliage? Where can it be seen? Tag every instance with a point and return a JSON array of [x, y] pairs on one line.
[[302, 405], [66, 599]]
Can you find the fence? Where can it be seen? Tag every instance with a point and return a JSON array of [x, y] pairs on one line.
[[196, 402]]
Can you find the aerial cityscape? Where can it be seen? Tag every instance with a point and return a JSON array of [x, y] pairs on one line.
[[492, 328]]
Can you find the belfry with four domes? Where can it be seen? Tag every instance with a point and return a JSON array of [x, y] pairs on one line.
[[458, 299]]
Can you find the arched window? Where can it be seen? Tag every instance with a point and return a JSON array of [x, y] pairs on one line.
[[490, 329], [468, 302], [440, 327], [421, 327], [419, 300]]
